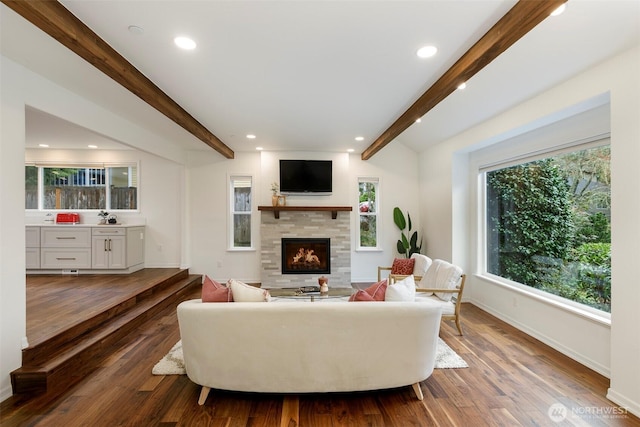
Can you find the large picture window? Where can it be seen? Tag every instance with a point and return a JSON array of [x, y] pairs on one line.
[[64, 187], [241, 211], [368, 213], [548, 225]]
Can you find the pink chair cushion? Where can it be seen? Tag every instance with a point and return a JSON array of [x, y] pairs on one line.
[[403, 266]]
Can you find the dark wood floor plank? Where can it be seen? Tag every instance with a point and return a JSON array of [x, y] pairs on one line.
[[512, 379]]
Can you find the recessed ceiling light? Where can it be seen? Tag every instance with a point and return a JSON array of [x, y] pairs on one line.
[[427, 51], [359, 138], [134, 29], [350, 150], [92, 146], [184, 43], [559, 10], [418, 120], [251, 136], [259, 148], [462, 86], [43, 145]]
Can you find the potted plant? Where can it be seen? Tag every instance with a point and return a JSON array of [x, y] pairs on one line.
[[103, 215], [274, 191], [407, 246]]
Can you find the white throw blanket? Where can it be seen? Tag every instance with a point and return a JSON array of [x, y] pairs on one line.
[[441, 275]]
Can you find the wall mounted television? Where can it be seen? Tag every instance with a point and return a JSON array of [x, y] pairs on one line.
[[310, 177]]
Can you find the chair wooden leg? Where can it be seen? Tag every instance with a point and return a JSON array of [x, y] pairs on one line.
[[203, 395], [418, 391], [458, 325]]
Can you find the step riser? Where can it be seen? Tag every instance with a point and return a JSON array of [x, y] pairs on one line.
[[60, 375]]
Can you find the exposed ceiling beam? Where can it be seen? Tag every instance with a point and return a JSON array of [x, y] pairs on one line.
[[522, 17], [55, 20]]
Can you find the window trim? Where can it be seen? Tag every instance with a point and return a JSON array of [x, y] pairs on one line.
[[582, 310], [376, 248], [231, 212]]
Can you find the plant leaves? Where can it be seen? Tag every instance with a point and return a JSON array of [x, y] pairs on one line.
[[414, 241], [398, 218], [405, 241]]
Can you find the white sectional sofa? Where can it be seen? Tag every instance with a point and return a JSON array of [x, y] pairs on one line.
[[304, 347]]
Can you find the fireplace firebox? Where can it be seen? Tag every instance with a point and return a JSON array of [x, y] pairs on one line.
[[306, 256]]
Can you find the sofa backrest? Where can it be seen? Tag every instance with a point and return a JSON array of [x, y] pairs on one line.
[[308, 347]]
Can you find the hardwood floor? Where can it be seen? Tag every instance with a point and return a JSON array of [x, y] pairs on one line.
[[512, 380]]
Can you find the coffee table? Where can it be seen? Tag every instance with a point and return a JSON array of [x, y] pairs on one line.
[[290, 294]]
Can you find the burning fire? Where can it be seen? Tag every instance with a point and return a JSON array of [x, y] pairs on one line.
[[306, 256]]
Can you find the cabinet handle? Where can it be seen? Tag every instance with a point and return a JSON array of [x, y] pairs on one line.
[[65, 238], [109, 245], [66, 259], [105, 245]]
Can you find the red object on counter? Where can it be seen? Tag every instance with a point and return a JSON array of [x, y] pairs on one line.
[[68, 218]]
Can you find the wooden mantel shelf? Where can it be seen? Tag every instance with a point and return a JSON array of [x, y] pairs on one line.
[[333, 209]]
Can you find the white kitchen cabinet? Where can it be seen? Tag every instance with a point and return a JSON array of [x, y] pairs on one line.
[[135, 246], [84, 249], [65, 258], [65, 247], [108, 248], [65, 236], [32, 243]]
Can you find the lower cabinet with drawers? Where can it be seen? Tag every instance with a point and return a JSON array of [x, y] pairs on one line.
[[91, 249]]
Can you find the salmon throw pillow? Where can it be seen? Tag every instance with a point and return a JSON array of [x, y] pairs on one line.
[[213, 291], [374, 292]]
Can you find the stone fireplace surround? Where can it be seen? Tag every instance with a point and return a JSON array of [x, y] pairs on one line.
[[307, 223]]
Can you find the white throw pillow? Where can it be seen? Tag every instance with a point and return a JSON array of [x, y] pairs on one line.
[[247, 293], [404, 290], [421, 265]]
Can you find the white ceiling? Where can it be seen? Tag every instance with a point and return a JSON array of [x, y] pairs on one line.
[[313, 75]]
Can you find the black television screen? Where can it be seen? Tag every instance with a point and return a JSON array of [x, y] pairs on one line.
[[305, 176]]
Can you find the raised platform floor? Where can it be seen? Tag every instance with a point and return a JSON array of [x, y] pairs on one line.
[[73, 321]]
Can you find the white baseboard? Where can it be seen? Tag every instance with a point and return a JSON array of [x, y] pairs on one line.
[[5, 393], [624, 402]]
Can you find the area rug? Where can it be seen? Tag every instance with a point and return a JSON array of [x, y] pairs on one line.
[[173, 362]]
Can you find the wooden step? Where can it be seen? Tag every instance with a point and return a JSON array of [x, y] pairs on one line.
[[40, 350], [56, 363]]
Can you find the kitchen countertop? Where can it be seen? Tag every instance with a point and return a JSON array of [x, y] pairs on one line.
[[49, 224]]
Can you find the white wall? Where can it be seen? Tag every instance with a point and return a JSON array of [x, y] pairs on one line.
[[12, 261], [612, 351], [397, 168], [208, 177], [162, 203]]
